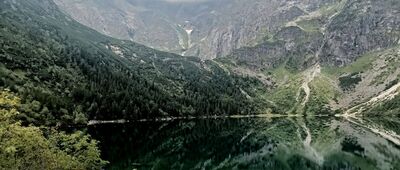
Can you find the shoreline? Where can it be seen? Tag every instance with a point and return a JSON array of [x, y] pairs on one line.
[[167, 119]]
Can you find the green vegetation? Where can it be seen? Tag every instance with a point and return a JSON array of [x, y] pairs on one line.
[[41, 148], [286, 94], [350, 144], [331, 9], [56, 73], [311, 25], [389, 108], [281, 73], [69, 74], [361, 64], [264, 35], [349, 82], [391, 84], [322, 93], [66, 74]]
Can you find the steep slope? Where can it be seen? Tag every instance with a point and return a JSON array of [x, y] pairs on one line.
[[354, 42], [333, 35], [66, 73], [207, 29], [361, 27]]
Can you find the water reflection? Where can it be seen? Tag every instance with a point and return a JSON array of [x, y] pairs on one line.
[[251, 143]]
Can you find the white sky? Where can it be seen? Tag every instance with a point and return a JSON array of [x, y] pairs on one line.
[[186, 0]]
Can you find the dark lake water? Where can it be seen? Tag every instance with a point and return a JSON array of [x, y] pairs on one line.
[[251, 143]]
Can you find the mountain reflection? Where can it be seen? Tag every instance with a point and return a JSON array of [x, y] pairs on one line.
[[250, 143]]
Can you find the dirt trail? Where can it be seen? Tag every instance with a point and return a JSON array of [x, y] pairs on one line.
[[388, 94], [308, 78], [385, 95]]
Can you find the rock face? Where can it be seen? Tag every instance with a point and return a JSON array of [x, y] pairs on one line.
[[291, 45], [334, 35], [258, 34], [362, 26], [207, 29]]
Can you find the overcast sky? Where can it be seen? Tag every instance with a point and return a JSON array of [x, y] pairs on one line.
[[186, 0]]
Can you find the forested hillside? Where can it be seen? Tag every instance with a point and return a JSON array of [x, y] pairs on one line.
[[67, 73]]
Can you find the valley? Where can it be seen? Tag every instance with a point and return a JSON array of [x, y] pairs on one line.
[[210, 84]]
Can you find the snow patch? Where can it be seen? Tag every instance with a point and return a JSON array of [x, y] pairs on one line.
[[189, 31]]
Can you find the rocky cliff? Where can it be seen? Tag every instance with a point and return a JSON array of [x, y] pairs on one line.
[[207, 29], [334, 35]]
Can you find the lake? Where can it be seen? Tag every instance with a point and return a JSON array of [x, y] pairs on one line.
[[252, 143]]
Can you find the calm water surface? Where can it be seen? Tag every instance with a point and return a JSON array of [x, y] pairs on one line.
[[251, 143]]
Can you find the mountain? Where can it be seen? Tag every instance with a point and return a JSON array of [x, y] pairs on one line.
[[334, 35], [337, 57], [208, 29], [320, 60], [297, 47]]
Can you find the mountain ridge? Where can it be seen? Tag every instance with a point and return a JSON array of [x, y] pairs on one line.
[[216, 27]]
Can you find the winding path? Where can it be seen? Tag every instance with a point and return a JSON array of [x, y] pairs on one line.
[[385, 95], [308, 78]]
